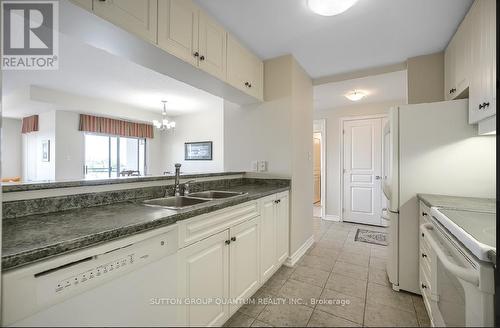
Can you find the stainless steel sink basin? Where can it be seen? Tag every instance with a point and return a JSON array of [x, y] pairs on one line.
[[216, 194], [175, 203]]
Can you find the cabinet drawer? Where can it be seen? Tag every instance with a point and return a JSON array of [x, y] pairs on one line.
[[203, 226]]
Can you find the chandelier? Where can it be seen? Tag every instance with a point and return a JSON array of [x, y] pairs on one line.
[[164, 124]]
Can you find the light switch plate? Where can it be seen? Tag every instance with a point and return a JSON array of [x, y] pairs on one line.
[[262, 166]]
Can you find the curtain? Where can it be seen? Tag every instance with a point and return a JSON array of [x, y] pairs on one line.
[[30, 124], [104, 125]]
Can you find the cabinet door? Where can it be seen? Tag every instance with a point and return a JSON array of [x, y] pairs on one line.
[[256, 78], [449, 70], [244, 70], [461, 58], [475, 92], [85, 4], [268, 238], [482, 91], [136, 16], [178, 29], [244, 261], [282, 227], [204, 274], [212, 46]]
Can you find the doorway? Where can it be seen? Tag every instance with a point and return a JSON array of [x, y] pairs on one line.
[[319, 142], [361, 169]]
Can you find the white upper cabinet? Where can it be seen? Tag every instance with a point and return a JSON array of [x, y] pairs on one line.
[[449, 70], [178, 29], [482, 92], [244, 70], [470, 61], [136, 16], [212, 46], [185, 31]]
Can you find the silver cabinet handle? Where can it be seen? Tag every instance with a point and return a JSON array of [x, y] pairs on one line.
[[378, 177]]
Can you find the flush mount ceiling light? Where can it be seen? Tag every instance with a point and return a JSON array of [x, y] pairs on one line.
[[164, 125], [355, 95], [330, 7]]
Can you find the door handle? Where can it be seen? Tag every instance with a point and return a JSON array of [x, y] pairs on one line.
[[378, 177], [468, 275]]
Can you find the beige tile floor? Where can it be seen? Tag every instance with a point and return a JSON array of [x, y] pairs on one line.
[[341, 282]]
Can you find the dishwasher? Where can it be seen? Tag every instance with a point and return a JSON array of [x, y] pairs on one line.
[[126, 282]]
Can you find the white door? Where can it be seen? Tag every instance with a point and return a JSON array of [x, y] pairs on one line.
[[204, 268], [244, 261], [282, 227], [268, 238], [362, 171]]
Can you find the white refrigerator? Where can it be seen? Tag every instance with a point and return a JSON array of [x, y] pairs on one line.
[[429, 148]]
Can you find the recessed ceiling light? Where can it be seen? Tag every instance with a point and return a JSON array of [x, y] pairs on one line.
[[330, 7], [355, 95]]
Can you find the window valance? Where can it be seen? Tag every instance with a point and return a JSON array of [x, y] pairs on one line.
[[104, 125]]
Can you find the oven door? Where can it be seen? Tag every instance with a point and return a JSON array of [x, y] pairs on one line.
[[456, 280]]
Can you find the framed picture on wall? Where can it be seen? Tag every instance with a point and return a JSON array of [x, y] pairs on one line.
[[46, 151], [198, 151]]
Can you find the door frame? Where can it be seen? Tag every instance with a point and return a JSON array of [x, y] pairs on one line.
[[319, 126], [342, 120]]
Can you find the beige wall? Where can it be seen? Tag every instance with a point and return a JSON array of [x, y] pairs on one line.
[[426, 78], [279, 131], [333, 146]]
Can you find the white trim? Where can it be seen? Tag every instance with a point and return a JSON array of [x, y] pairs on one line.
[[342, 120], [321, 123], [334, 218], [292, 260]]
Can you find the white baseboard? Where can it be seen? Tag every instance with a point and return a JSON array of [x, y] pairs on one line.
[[292, 260], [329, 217]]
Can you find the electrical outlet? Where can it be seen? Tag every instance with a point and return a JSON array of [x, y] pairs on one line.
[[262, 166], [255, 166]]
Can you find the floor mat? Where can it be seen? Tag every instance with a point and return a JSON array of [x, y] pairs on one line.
[[371, 237]]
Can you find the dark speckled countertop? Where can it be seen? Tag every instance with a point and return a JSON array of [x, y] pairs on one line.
[[37, 237]]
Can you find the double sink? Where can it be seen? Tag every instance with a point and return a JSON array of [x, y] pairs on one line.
[[193, 199]]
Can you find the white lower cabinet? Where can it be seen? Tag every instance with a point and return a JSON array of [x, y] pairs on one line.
[[228, 266], [274, 233], [268, 263], [203, 276], [282, 227], [244, 261]]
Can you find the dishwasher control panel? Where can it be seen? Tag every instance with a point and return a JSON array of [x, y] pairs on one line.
[[106, 269]]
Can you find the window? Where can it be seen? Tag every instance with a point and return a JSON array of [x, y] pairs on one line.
[[110, 156]]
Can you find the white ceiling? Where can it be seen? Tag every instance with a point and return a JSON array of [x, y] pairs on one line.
[[379, 88], [373, 33], [105, 81]]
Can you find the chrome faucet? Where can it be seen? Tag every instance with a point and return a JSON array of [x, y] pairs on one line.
[[177, 189]]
